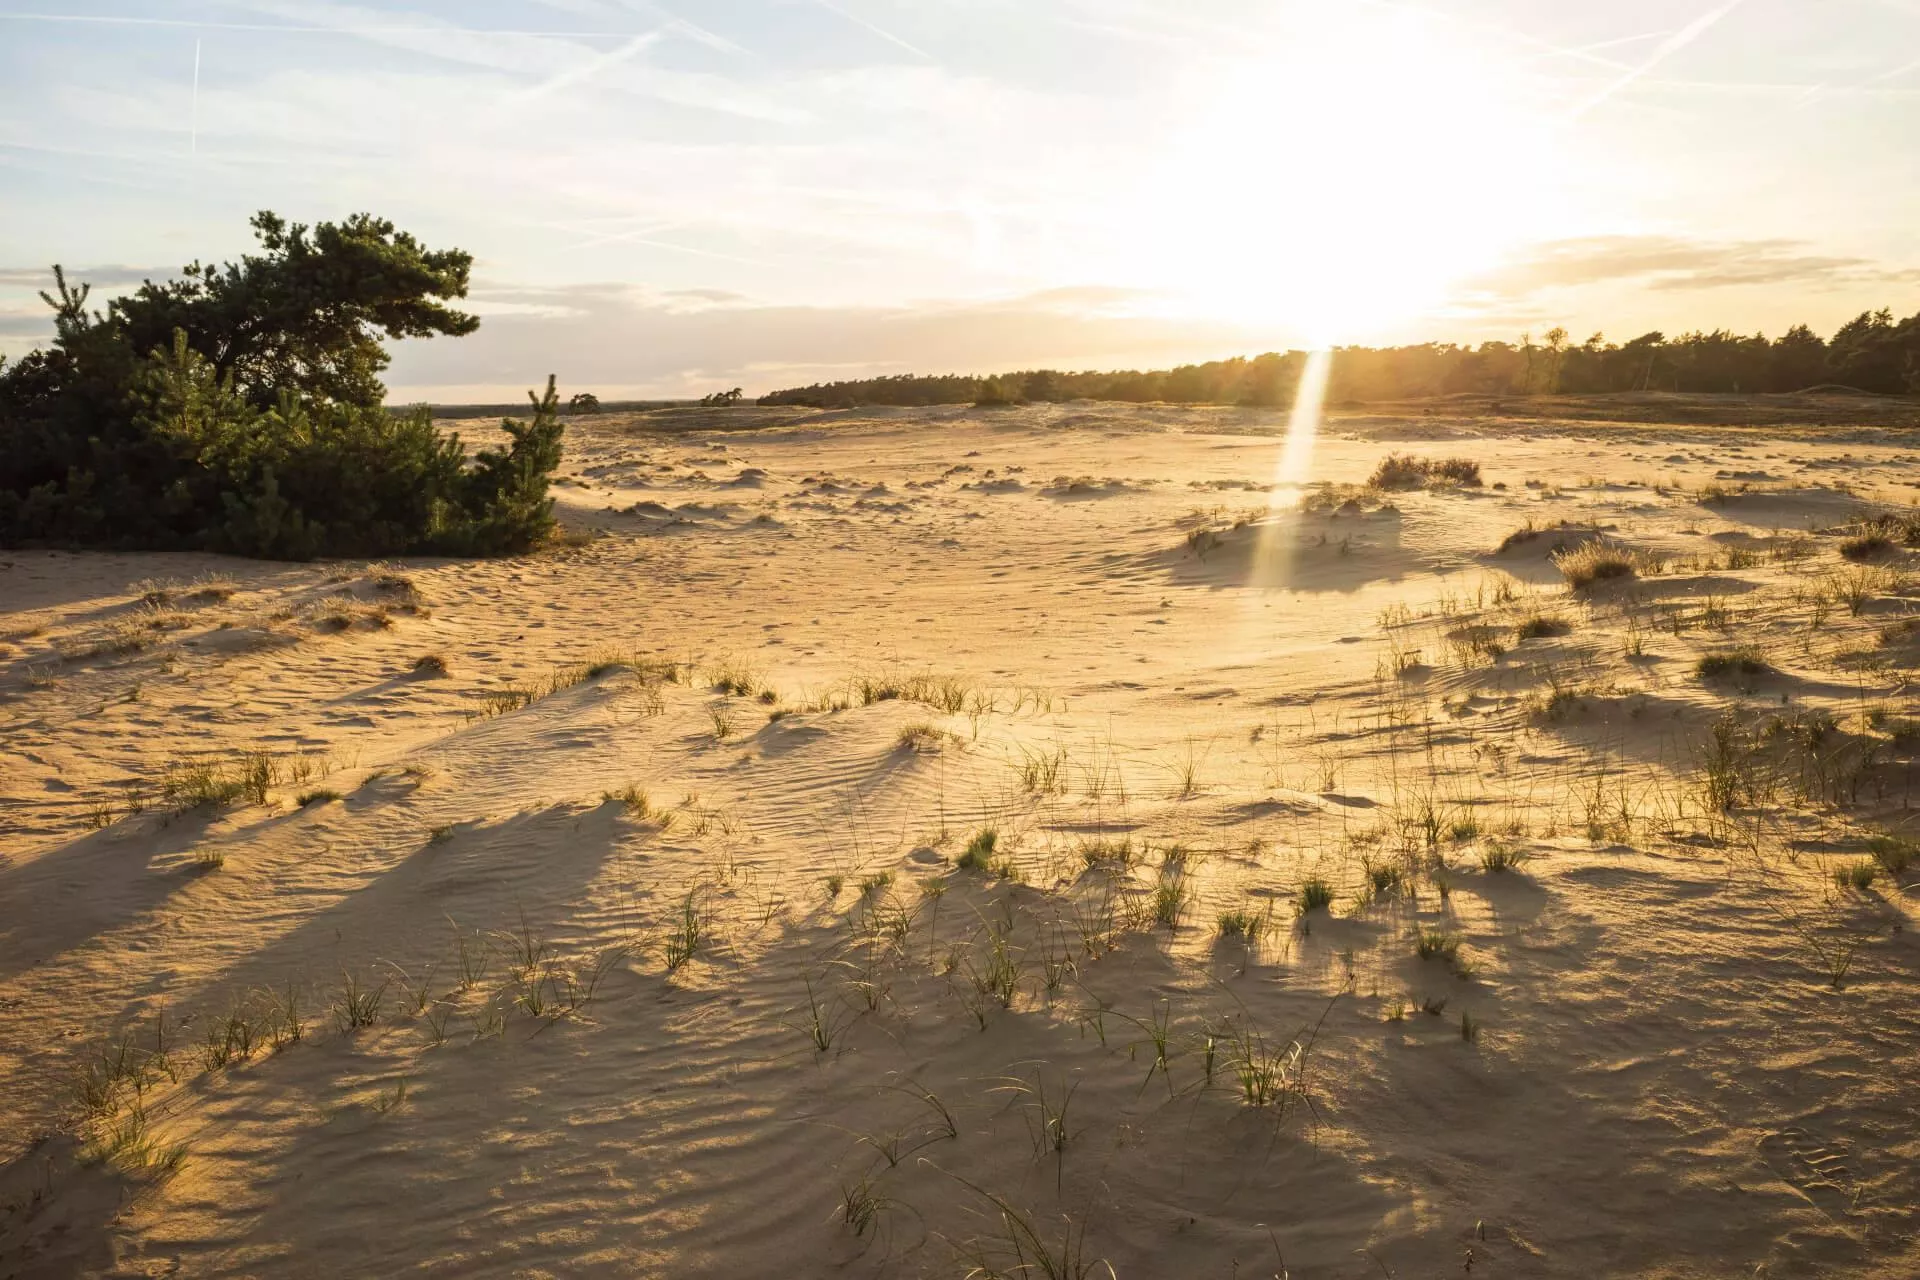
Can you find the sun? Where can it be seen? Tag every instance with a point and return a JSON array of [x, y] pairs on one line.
[[1337, 181]]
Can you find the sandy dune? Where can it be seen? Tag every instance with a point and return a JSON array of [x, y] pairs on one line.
[[893, 844]]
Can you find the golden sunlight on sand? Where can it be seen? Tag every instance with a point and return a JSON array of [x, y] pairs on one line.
[[1074, 840]]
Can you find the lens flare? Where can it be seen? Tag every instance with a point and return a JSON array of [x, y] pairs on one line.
[[1273, 558], [1303, 426]]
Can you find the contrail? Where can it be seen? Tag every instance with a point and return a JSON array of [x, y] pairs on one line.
[[591, 67], [1513, 34], [691, 30], [193, 134], [859, 21], [1664, 50], [1894, 74]]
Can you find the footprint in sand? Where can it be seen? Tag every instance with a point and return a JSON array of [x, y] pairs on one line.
[[1818, 1171]]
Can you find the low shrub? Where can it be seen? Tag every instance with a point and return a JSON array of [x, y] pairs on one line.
[[1732, 664], [1867, 546], [1596, 561], [1405, 471]]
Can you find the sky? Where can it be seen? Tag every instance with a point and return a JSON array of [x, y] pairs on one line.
[[669, 197]]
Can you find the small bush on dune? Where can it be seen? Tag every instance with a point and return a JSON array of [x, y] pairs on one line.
[[1734, 664], [1404, 471], [1597, 561], [1398, 471], [1541, 625], [1867, 546], [1879, 533], [1461, 471]]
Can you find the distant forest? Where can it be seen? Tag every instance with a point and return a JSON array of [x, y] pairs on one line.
[[1873, 352]]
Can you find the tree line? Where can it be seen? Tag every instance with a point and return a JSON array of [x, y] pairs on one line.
[[1873, 352]]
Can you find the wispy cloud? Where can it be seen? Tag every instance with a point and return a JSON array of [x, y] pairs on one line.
[[1673, 263], [105, 276]]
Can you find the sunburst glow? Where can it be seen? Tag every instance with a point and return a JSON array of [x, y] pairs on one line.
[[1344, 181]]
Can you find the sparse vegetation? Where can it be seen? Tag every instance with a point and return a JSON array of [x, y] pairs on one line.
[[212, 784], [1227, 838]]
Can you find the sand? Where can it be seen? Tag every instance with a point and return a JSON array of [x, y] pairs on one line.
[[653, 899]]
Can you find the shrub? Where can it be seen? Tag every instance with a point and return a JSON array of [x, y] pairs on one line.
[[1404, 471], [1597, 561], [1398, 471], [1461, 471], [239, 409], [1736, 664], [1867, 546], [1540, 626]]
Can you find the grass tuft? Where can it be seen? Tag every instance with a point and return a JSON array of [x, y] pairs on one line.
[[1596, 561], [1436, 944], [978, 855], [1315, 895], [1498, 857], [1858, 876]]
